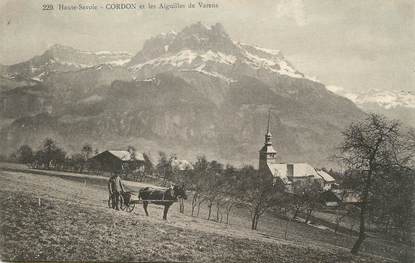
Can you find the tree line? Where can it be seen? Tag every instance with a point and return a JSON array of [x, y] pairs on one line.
[[51, 156]]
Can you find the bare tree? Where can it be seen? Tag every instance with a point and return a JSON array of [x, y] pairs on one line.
[[297, 204], [194, 181], [229, 190], [229, 204], [211, 182], [368, 147], [258, 193], [341, 212], [312, 197]]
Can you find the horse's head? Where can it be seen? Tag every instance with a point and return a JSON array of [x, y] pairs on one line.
[[179, 191]]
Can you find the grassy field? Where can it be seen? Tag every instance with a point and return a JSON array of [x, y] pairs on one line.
[[50, 218]]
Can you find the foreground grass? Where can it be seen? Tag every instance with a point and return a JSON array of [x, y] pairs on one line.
[[72, 223]]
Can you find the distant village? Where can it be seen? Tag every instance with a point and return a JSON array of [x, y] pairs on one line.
[[292, 175], [134, 165]]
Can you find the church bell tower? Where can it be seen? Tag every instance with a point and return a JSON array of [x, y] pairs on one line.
[[267, 154]]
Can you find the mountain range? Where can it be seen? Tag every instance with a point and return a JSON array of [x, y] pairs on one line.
[[193, 92], [394, 104]]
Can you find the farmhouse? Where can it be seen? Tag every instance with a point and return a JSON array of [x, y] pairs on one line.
[[117, 161], [290, 174], [338, 197]]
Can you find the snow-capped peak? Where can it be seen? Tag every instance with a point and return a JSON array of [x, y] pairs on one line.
[[110, 53], [61, 58], [269, 51], [387, 99], [209, 48]]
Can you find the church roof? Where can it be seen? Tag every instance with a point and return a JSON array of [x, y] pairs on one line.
[[287, 171], [279, 170], [304, 170]]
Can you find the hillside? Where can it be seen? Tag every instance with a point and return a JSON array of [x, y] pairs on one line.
[[73, 215], [193, 92]]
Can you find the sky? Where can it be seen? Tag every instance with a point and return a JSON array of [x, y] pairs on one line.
[[351, 44]]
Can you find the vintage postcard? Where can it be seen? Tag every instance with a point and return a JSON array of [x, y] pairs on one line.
[[207, 130]]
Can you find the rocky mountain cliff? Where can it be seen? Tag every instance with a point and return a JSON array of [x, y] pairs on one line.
[[193, 92]]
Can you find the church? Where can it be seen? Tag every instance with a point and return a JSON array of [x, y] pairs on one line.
[[290, 174]]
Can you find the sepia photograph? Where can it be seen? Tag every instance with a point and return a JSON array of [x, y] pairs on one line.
[[207, 131]]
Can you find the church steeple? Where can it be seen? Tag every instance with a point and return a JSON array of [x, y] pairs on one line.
[[268, 135], [267, 154]]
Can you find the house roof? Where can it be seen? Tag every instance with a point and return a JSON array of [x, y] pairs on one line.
[[326, 177], [126, 156]]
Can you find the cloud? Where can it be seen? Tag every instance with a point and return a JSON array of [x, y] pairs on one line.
[[293, 9]]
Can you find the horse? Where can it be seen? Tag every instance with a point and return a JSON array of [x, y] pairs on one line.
[[161, 197]]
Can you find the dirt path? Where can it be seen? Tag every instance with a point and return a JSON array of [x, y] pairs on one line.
[[92, 179]]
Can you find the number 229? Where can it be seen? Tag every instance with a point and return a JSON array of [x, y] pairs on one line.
[[47, 7]]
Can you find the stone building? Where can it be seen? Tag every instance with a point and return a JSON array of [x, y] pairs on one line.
[[290, 174]]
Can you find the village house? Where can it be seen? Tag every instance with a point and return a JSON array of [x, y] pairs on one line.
[[117, 161], [290, 174]]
